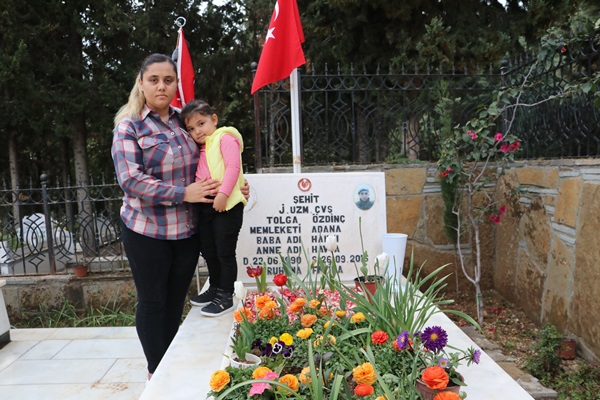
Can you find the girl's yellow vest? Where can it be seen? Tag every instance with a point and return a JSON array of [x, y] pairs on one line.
[[216, 165]]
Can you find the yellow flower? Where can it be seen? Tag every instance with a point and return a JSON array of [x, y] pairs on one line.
[[308, 320], [291, 382], [340, 313], [304, 333], [384, 397], [364, 374], [287, 339], [358, 317], [327, 324], [273, 340], [219, 379], [260, 372], [330, 340], [314, 303]]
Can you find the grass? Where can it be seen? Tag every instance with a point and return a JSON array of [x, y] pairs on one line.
[[67, 316]]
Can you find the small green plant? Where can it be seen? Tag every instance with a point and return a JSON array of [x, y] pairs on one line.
[[581, 384], [545, 362]]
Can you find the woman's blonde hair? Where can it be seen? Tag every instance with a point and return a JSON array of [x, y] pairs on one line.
[[136, 101]]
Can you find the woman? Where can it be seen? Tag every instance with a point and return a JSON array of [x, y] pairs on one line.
[[155, 160]]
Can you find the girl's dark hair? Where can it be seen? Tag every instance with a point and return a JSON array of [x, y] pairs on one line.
[[196, 106]]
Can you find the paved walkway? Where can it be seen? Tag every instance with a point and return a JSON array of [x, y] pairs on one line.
[[72, 364]]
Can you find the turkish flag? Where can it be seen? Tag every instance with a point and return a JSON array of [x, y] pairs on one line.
[[185, 72], [282, 51]]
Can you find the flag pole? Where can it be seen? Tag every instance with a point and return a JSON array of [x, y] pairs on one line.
[[295, 108]]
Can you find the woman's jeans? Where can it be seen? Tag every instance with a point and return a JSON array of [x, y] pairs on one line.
[[162, 271], [218, 240]]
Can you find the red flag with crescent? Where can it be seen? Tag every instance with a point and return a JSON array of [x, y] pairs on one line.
[[282, 51], [185, 73]]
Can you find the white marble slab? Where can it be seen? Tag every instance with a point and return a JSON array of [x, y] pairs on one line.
[[24, 334], [127, 370], [101, 348], [13, 351], [26, 372], [45, 350], [96, 391], [125, 332]]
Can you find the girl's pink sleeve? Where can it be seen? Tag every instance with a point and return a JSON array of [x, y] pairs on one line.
[[230, 149]]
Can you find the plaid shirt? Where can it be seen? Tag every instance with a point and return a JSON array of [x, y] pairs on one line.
[[154, 162]]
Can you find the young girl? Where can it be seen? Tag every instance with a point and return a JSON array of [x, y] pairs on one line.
[[219, 223]]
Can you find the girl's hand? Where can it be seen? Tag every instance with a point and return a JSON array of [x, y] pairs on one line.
[[220, 202], [245, 189], [197, 191]]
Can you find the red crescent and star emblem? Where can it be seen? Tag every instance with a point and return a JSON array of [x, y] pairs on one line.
[[304, 184]]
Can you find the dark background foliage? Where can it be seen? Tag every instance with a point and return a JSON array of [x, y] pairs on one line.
[[67, 66]]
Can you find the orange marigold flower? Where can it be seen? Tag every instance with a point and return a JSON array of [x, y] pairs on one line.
[[363, 390], [237, 314], [324, 311], [446, 396], [305, 376], [219, 379], [271, 305], [266, 313], [435, 378], [358, 317], [384, 397], [308, 320], [340, 313], [304, 333], [260, 301], [379, 337], [260, 372], [291, 382], [364, 374], [297, 305], [314, 303]]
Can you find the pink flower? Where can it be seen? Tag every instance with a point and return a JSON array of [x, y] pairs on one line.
[[472, 134], [260, 387], [514, 145], [502, 210], [444, 174], [505, 148], [449, 169], [563, 49], [495, 219], [498, 136]]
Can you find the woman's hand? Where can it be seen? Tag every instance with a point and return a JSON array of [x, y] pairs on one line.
[[245, 189], [197, 191]]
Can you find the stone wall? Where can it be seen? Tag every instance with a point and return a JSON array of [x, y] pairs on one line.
[[544, 256]]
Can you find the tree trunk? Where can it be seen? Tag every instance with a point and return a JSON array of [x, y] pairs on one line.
[[14, 175], [86, 217]]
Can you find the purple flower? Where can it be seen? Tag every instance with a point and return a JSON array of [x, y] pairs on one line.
[[435, 338], [268, 350], [476, 356], [443, 362], [277, 347], [402, 340], [288, 352]]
